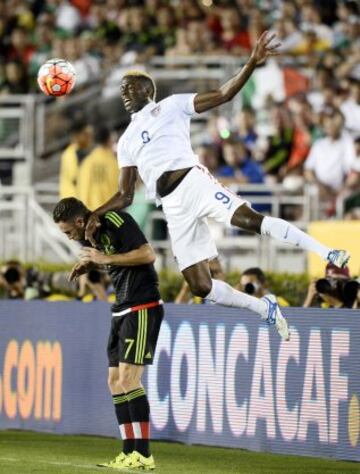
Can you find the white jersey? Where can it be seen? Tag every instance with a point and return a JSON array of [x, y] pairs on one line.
[[158, 139]]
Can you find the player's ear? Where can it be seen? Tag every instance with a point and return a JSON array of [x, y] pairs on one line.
[[80, 222]]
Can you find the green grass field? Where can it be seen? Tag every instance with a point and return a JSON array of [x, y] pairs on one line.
[[24, 452]]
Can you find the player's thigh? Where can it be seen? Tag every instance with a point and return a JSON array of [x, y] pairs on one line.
[[193, 245], [130, 374], [138, 336], [217, 201], [113, 345], [155, 317]]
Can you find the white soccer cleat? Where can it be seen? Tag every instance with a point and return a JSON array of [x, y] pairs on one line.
[[274, 316], [338, 258]]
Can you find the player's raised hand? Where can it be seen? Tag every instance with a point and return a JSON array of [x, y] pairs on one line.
[[92, 224], [265, 47], [91, 255]]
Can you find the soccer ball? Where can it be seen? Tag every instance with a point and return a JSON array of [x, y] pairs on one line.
[[56, 77]]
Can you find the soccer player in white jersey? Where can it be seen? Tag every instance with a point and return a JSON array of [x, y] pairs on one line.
[[156, 144]]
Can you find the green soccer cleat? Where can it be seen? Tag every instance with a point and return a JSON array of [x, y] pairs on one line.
[[117, 463], [139, 462]]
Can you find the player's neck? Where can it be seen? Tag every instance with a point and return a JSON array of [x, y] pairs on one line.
[[142, 104]]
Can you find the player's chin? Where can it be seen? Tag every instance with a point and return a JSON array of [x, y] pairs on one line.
[[128, 106]]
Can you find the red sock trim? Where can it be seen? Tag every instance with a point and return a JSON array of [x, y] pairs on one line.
[[129, 432], [145, 429]]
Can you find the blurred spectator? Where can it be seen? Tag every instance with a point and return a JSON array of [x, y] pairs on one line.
[[43, 36], [279, 143], [141, 209], [181, 45], [87, 67], [322, 79], [67, 16], [12, 280], [245, 127], [208, 157], [253, 282], [20, 48], [198, 37], [138, 36], [15, 80], [301, 138], [349, 199], [98, 173], [287, 33], [336, 290], [165, 30], [351, 108], [239, 163], [234, 38], [73, 155], [331, 158]]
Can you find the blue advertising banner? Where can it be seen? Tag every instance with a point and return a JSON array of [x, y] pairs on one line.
[[220, 376]]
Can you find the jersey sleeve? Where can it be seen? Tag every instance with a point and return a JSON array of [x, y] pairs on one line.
[[183, 102], [123, 157], [124, 230]]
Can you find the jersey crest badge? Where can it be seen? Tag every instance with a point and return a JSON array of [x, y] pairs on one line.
[[155, 112]]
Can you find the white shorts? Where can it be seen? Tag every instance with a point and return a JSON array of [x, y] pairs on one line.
[[198, 196]]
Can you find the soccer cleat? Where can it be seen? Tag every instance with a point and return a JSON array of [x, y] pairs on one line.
[[339, 258], [274, 316], [117, 463], [137, 461]]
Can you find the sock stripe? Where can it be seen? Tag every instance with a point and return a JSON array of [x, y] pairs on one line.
[[117, 399], [135, 394], [145, 429], [137, 430], [129, 432]]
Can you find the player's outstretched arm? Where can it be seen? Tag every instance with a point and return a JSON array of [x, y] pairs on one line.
[[141, 256], [262, 50], [121, 199]]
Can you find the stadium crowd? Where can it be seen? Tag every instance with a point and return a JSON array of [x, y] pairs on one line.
[[274, 137], [94, 35], [337, 289]]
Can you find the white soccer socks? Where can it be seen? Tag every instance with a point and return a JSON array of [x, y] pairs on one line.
[[224, 294], [288, 233]]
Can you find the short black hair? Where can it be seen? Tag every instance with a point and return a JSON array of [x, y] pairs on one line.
[[256, 271], [78, 126], [68, 209], [102, 135]]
